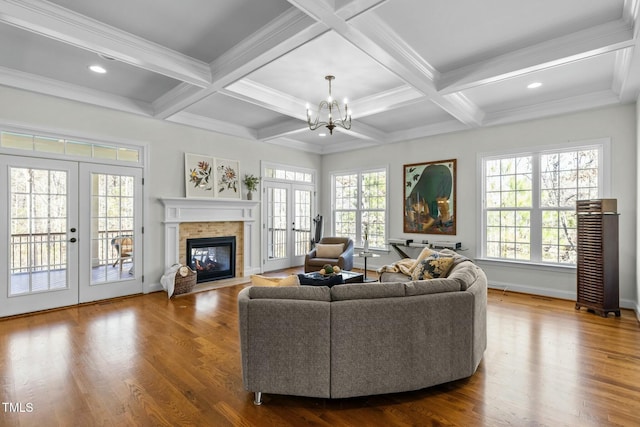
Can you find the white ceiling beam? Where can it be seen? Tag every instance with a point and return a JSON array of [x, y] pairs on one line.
[[58, 23], [363, 131], [290, 30], [250, 91], [282, 129], [397, 97], [376, 39], [439, 128], [358, 7], [630, 14], [580, 45], [297, 145], [206, 123]]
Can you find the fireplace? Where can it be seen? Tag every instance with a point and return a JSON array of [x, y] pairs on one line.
[[213, 258]]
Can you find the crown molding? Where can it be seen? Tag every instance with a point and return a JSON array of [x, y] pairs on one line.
[[58, 23], [584, 44], [57, 88], [552, 108], [622, 66]]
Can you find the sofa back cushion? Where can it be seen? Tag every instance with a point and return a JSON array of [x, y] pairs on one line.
[[465, 273], [432, 286], [367, 291], [310, 293]]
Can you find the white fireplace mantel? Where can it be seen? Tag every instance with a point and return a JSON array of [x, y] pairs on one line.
[[178, 210]]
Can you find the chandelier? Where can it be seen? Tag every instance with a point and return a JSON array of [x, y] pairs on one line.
[[333, 114]]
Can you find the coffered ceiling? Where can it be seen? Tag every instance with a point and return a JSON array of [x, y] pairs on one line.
[[410, 68]]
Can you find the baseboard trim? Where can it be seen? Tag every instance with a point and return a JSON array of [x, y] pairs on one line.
[[568, 295]]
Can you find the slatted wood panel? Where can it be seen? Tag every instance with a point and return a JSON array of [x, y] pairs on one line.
[[597, 269], [150, 361]]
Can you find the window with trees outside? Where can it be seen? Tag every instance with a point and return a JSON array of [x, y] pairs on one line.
[[529, 203], [360, 206]]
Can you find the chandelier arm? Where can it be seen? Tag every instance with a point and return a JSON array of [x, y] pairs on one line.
[[330, 104]]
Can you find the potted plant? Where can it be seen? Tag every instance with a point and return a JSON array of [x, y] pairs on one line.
[[251, 182]]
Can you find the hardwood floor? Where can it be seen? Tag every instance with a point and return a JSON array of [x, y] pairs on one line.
[[146, 361]]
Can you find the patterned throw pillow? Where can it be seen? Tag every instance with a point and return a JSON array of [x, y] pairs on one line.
[[432, 267]]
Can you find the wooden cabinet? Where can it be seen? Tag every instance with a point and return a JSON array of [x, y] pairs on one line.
[[598, 277]]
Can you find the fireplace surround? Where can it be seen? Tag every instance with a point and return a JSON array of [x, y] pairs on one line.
[[211, 214]]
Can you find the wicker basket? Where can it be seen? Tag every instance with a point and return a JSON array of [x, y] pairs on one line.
[[183, 285]]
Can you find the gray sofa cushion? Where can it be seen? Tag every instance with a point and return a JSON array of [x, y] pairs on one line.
[[431, 286], [367, 291], [311, 293]]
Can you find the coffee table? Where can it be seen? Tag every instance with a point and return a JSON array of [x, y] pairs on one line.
[[347, 276]]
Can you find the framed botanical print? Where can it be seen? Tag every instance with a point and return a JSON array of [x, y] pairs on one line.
[[227, 179], [430, 197], [199, 175]]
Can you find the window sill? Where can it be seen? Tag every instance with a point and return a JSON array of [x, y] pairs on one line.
[[558, 268]]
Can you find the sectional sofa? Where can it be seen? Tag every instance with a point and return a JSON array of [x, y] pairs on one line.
[[363, 339]]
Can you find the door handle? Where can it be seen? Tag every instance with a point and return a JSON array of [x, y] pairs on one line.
[[73, 240]]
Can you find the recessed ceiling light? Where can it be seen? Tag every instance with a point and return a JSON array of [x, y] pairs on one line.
[[322, 134], [534, 85], [97, 69]]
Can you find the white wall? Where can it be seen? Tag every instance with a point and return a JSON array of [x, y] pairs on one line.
[[637, 207], [617, 123], [166, 144]]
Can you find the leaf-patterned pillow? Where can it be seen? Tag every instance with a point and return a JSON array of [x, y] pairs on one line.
[[432, 267]]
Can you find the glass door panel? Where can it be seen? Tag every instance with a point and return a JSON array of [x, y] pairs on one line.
[[302, 221], [277, 226], [112, 219], [40, 215], [114, 226]]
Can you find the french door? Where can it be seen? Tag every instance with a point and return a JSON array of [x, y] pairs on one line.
[[58, 225], [288, 212]]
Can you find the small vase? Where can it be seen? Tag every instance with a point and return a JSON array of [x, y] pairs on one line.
[[366, 246], [249, 195]]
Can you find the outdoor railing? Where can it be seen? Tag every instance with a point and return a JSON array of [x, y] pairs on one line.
[[278, 242], [48, 251]]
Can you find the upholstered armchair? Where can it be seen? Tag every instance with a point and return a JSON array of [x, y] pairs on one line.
[[330, 250]]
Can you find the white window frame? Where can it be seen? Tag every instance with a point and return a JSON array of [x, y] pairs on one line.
[[358, 239], [604, 190]]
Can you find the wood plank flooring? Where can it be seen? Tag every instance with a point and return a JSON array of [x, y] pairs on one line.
[[150, 361]]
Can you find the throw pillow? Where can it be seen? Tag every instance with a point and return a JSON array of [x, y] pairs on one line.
[[432, 267], [329, 250], [258, 280], [424, 254]]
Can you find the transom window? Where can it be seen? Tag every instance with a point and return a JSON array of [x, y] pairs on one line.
[[529, 202], [69, 148], [360, 206]]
